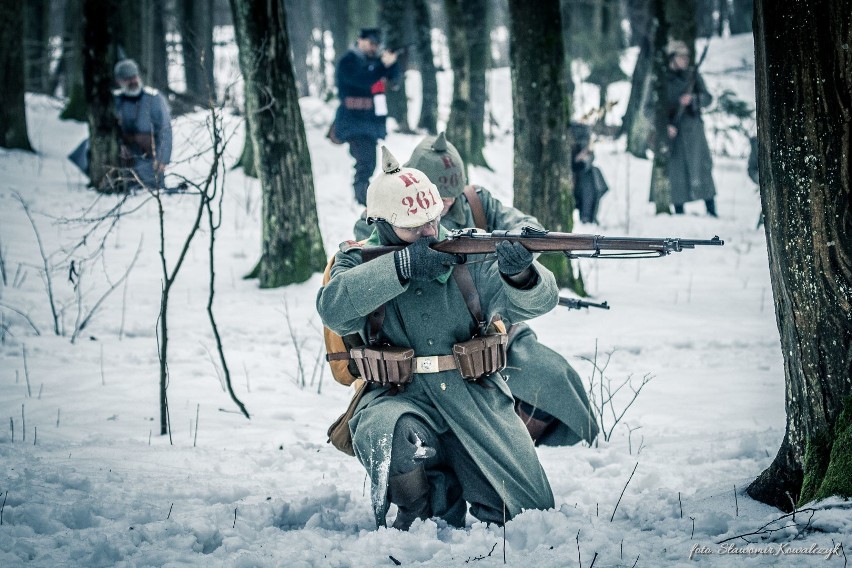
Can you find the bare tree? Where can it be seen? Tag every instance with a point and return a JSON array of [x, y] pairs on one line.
[[13, 123], [468, 35], [541, 109], [72, 62], [36, 50], [429, 100], [196, 34], [292, 246], [804, 136], [101, 28]]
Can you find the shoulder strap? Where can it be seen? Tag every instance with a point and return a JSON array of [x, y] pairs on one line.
[[476, 207], [464, 280]]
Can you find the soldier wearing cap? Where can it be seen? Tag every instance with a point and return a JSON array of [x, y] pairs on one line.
[[145, 123], [437, 441], [549, 395], [360, 119], [690, 164]]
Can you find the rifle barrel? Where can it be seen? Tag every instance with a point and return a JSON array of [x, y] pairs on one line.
[[467, 241]]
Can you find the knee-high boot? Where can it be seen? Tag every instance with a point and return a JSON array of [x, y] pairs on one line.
[[410, 492]]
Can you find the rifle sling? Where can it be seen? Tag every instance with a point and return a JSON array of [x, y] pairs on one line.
[[476, 207]]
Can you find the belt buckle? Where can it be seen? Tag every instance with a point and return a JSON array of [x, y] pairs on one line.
[[426, 364]]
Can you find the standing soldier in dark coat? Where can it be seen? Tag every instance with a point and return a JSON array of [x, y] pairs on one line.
[[432, 440], [690, 164], [549, 394], [589, 183], [360, 119], [145, 123]]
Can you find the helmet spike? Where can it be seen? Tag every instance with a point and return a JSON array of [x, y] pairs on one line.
[[440, 143], [389, 162]]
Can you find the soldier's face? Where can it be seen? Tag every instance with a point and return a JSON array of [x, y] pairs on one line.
[[448, 203], [429, 229], [680, 61], [368, 46], [129, 85]]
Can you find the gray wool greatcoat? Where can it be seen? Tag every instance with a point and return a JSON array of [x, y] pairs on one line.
[[430, 317], [535, 373], [690, 164]]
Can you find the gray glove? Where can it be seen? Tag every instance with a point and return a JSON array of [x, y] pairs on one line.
[[419, 262], [512, 258]]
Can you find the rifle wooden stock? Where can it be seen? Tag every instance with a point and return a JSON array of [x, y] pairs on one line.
[[471, 241]]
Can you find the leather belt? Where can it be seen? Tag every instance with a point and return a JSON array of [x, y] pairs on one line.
[[358, 103], [434, 364]]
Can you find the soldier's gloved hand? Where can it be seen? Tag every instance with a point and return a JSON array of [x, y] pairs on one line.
[[419, 262], [512, 258]]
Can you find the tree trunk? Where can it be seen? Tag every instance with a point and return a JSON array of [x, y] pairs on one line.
[[458, 125], [429, 100], [704, 17], [468, 42], [196, 31], [336, 18], [36, 50], [543, 183], [724, 16], [101, 28], [246, 161], [292, 247], [740, 18], [478, 46], [143, 40], [13, 116], [675, 19], [72, 57], [392, 14], [635, 123], [804, 100], [299, 28]]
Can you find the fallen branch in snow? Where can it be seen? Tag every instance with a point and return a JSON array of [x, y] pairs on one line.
[[474, 558], [767, 529], [622, 492], [26, 370]]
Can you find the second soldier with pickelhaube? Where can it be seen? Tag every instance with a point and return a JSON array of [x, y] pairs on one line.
[[549, 394], [436, 429]]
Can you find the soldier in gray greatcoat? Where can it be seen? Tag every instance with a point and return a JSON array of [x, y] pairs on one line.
[[436, 441], [145, 123], [690, 164], [549, 394]]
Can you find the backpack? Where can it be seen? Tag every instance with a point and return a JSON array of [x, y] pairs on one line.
[[337, 348]]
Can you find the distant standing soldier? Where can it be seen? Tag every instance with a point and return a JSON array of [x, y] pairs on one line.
[[690, 164], [360, 119], [145, 123], [549, 394], [589, 183]]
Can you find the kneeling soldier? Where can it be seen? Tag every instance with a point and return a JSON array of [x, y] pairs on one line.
[[437, 428]]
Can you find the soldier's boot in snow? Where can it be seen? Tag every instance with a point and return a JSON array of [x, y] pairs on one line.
[[410, 492], [711, 207]]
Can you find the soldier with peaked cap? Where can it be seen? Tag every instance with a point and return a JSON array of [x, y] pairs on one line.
[[145, 123], [360, 119], [434, 441], [549, 394]]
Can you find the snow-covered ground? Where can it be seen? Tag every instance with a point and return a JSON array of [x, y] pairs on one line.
[[86, 479]]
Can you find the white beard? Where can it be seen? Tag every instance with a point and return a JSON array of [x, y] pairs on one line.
[[132, 92]]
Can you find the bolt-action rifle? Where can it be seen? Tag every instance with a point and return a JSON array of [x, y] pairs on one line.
[[577, 304], [690, 88], [463, 242]]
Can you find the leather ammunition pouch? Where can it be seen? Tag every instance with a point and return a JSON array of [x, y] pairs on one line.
[[384, 365], [481, 355]]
